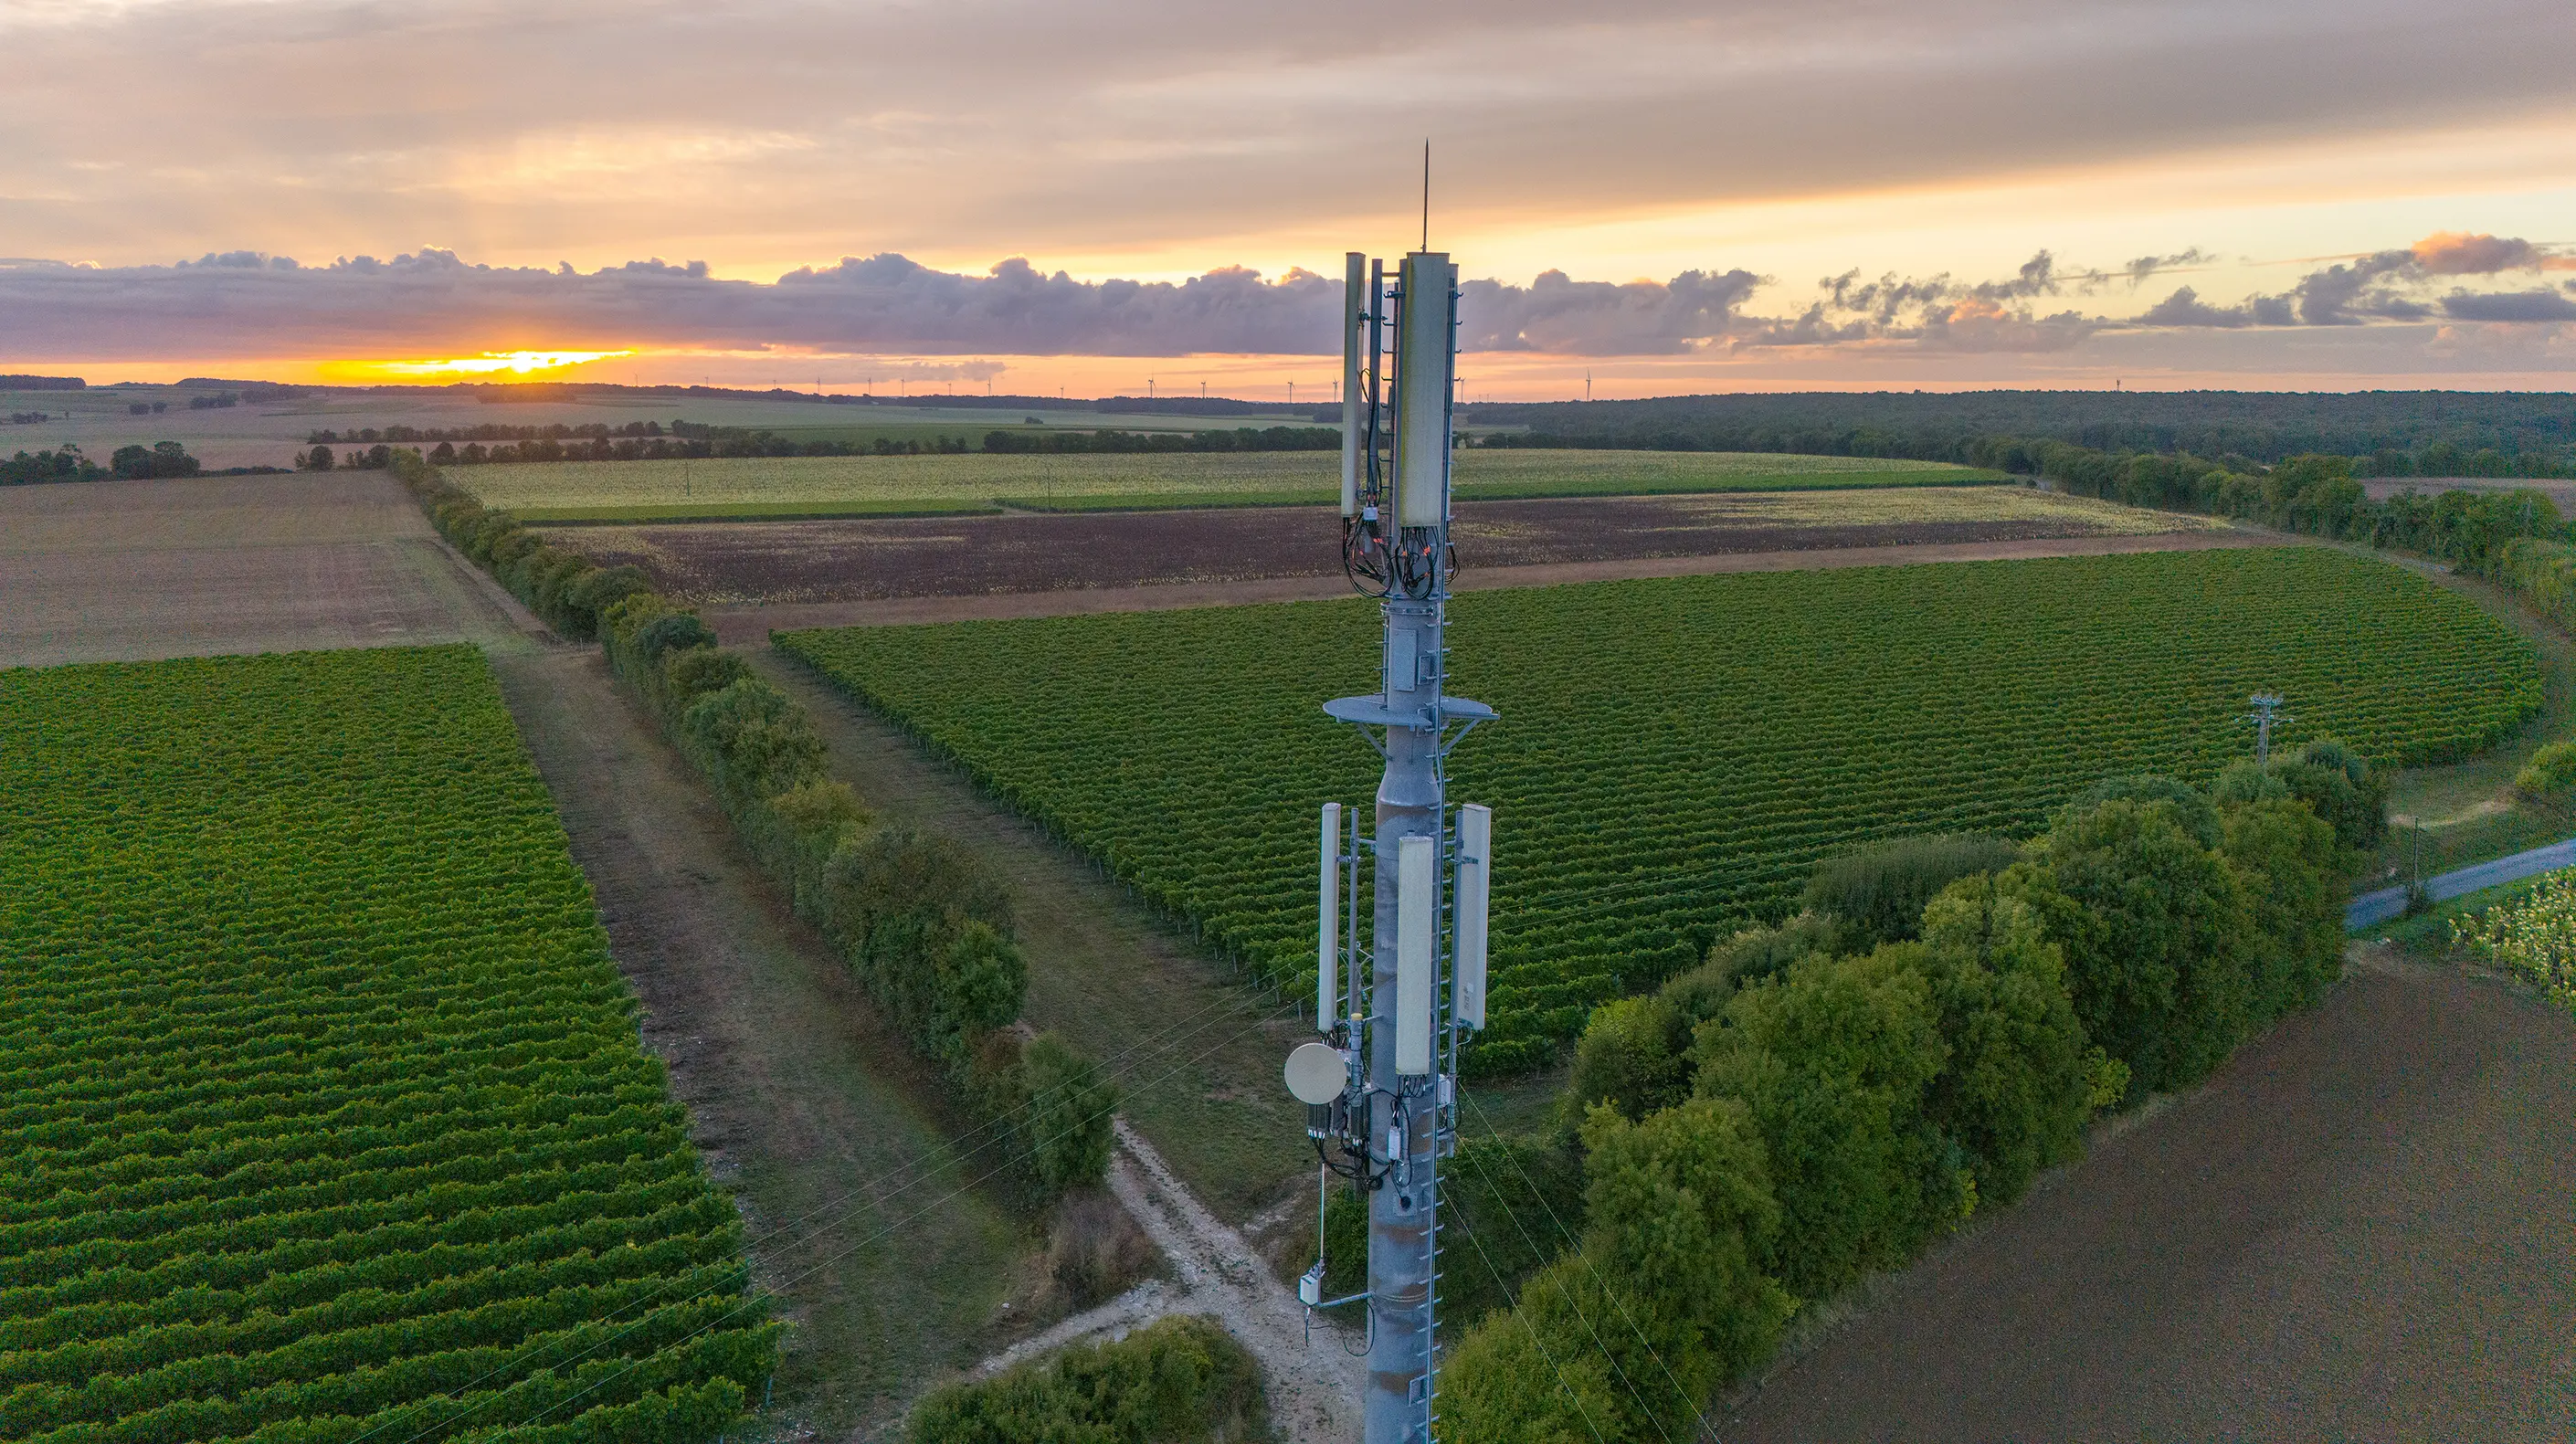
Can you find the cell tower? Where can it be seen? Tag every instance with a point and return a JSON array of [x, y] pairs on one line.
[[1381, 1085]]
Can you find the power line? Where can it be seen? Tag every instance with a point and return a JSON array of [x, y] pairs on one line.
[[1553, 1367], [1706, 1430]]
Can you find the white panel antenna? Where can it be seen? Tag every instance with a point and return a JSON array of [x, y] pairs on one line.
[[1328, 922], [1355, 406], [1475, 890], [1424, 362], [1417, 959]]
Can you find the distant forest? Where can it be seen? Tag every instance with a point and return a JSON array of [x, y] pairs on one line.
[[2386, 432]]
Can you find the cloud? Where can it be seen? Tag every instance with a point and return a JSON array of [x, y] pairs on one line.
[[2389, 285], [2457, 253], [2140, 270], [1939, 313], [2185, 308], [2534, 305], [431, 302], [1596, 318]]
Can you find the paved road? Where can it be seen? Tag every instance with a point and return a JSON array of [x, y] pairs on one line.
[[2390, 902]]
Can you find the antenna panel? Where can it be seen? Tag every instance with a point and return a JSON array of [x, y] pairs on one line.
[[1356, 306], [1423, 366], [1417, 920], [1475, 889], [1328, 920]]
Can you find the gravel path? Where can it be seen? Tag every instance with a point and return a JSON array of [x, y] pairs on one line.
[[1314, 1382]]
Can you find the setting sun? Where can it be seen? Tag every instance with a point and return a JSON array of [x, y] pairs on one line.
[[500, 364]]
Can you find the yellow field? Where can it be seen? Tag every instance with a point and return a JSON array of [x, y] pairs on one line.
[[1900, 506]]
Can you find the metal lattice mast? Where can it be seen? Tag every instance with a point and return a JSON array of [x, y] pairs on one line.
[[1382, 1086], [2267, 710]]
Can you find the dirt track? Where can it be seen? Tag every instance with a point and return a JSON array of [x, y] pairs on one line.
[[2364, 1228], [751, 625]]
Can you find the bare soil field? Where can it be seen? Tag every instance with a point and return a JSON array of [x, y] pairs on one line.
[[98, 571], [2361, 1229], [793, 562], [750, 626]]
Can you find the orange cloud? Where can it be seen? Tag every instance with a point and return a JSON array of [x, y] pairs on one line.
[[2462, 253]]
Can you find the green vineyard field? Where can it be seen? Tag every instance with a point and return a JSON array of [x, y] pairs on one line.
[[323, 1114], [1674, 755]]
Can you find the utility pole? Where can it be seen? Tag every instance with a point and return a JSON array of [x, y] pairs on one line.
[[2267, 710], [1381, 1083]]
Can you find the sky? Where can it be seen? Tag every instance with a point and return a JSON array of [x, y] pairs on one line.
[[1645, 198]]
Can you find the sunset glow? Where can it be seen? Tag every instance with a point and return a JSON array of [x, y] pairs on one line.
[[494, 365]]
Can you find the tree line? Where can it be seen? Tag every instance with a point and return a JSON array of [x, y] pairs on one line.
[[1823, 1098], [2527, 430], [130, 463], [1247, 438], [924, 925]]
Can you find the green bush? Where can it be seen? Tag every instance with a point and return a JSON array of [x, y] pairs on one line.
[[1179, 1380], [1633, 1055], [1687, 1194], [2285, 858], [1878, 892], [2018, 1084], [2336, 784], [1066, 1127], [1834, 1057], [1534, 1374], [2156, 932], [2550, 773]]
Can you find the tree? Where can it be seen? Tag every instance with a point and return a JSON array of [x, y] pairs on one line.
[[2155, 932], [1067, 1132], [2018, 1084], [1833, 1058], [1685, 1195], [2284, 856], [318, 459], [1532, 1374], [1633, 1055]]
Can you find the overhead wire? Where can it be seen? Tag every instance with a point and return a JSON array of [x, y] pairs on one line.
[[1575, 1245], [1616, 1368]]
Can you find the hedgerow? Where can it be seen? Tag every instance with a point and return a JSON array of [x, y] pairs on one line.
[[1676, 755], [325, 1113], [1829, 1115], [923, 924]]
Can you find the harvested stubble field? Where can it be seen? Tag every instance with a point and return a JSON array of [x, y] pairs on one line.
[[863, 485], [126, 570], [828, 561], [326, 1115], [1770, 718]]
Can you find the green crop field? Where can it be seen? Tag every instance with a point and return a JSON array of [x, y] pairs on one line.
[[1674, 755], [323, 1116], [978, 481]]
